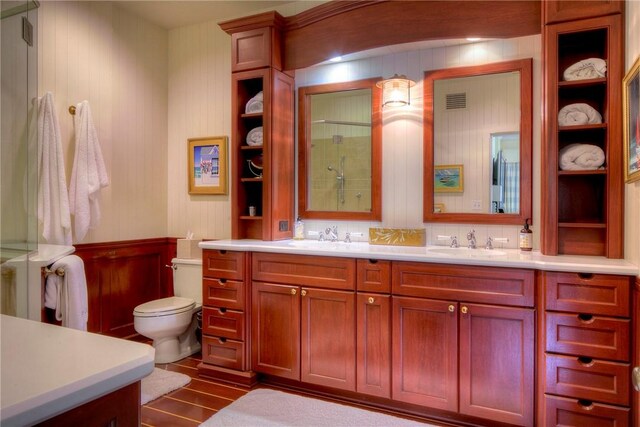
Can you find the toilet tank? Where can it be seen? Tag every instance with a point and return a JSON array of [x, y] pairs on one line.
[[187, 278]]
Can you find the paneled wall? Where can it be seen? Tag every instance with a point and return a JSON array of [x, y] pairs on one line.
[[632, 193], [118, 62], [402, 131]]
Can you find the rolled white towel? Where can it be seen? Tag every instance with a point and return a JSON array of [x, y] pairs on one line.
[[590, 68], [581, 157], [255, 104], [578, 114], [254, 137]]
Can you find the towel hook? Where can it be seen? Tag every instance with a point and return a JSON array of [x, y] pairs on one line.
[[72, 110], [58, 271]]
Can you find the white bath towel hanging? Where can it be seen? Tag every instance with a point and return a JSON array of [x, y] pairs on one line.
[[89, 173], [67, 294], [53, 199]]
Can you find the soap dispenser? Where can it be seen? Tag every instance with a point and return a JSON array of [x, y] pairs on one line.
[[526, 237], [298, 230]]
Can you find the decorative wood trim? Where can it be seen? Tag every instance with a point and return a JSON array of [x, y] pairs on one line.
[[324, 11], [266, 19]]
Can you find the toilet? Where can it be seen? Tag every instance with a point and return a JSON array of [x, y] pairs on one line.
[[171, 322]]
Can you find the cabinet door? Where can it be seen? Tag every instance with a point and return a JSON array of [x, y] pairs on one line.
[[275, 330], [496, 363], [328, 338], [374, 344], [425, 352]]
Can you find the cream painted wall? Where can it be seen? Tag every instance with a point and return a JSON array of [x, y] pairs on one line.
[[118, 62], [632, 191]]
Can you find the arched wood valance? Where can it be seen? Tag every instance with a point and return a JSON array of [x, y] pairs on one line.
[[343, 27]]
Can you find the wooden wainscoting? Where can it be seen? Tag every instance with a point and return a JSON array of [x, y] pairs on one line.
[[121, 275]]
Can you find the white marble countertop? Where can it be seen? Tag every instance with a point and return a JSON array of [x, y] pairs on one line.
[[512, 258], [48, 369]]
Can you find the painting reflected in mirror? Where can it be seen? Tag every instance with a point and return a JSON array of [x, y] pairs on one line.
[[339, 151], [478, 119]]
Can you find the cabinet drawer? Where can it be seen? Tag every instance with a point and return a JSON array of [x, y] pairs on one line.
[[326, 272], [223, 264], [223, 352], [585, 378], [504, 286], [588, 336], [587, 293], [223, 293], [579, 413], [373, 275], [223, 323]]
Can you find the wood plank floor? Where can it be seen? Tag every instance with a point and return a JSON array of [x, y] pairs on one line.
[[192, 404]]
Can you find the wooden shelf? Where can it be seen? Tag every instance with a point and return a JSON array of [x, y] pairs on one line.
[[251, 147], [582, 127], [251, 115], [582, 225], [585, 172], [251, 218], [250, 179], [583, 83]]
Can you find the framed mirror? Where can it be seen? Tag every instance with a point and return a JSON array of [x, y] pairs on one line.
[[478, 143], [339, 151]]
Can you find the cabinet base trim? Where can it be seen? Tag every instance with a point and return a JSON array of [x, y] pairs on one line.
[[241, 378]]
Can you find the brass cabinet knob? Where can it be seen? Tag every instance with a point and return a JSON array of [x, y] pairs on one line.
[[452, 308], [293, 291], [464, 309], [303, 292], [371, 300]]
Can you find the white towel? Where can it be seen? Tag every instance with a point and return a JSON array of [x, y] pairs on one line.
[[89, 173], [578, 114], [68, 294], [254, 137], [581, 157], [53, 199], [255, 104], [591, 68]]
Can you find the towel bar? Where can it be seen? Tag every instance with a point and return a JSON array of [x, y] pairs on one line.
[[58, 271]]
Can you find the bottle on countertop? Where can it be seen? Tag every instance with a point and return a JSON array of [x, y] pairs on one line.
[[298, 230], [526, 237]]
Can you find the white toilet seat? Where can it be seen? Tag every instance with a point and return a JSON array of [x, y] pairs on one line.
[[164, 307]]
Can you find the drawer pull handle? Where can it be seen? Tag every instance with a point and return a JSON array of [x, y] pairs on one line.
[[222, 310], [371, 300], [464, 309], [293, 291], [222, 281], [222, 340], [585, 318], [636, 378], [373, 261], [223, 252], [585, 276], [303, 292], [452, 308], [587, 405], [585, 361]]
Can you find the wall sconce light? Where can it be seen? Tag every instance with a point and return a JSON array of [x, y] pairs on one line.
[[396, 91]]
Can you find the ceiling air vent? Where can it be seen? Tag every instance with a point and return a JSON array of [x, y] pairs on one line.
[[456, 101]]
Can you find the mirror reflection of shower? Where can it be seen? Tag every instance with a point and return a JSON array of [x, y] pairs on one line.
[[505, 173], [339, 178]]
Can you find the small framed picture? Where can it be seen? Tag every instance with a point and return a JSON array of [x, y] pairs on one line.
[[438, 208], [208, 165], [631, 122], [448, 179]]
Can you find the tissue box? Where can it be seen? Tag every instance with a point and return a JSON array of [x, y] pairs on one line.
[[397, 236], [188, 248]]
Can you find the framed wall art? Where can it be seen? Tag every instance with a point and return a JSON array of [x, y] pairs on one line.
[[448, 179], [631, 122], [208, 168]]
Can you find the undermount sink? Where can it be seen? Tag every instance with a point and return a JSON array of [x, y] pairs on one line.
[[466, 252]]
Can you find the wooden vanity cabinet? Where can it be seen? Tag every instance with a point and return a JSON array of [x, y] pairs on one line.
[[473, 354], [303, 318], [225, 300], [587, 344]]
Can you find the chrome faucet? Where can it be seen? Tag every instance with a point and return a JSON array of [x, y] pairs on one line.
[[489, 244], [454, 242], [471, 237], [347, 238], [332, 233]]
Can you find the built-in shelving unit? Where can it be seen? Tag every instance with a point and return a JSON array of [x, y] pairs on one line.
[[582, 211]]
